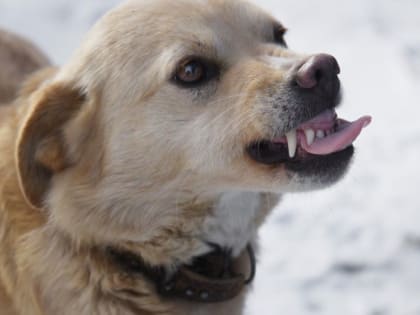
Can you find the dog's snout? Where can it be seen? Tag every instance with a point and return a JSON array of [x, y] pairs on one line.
[[319, 71]]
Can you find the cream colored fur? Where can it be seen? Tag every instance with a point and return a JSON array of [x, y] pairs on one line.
[[106, 150]]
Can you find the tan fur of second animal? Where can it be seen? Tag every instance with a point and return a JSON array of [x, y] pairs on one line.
[[114, 150], [18, 59]]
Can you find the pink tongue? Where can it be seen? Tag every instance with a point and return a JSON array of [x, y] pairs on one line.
[[343, 138]]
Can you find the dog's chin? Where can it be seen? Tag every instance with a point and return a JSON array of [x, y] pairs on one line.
[[309, 170], [321, 171]]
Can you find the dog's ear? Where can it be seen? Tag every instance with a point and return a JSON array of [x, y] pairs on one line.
[[42, 150]]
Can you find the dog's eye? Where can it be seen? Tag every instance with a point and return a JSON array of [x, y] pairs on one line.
[[194, 71], [190, 72], [279, 32]]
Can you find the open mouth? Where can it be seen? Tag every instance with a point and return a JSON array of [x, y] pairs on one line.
[[323, 135]]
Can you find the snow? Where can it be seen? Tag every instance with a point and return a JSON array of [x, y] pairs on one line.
[[352, 249]]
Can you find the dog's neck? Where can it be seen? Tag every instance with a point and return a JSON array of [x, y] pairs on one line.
[[234, 221], [231, 212], [214, 277], [210, 277], [164, 231]]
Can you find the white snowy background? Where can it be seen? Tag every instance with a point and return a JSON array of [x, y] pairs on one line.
[[353, 249]]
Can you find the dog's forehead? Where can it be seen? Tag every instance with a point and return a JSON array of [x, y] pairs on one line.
[[149, 37], [208, 22]]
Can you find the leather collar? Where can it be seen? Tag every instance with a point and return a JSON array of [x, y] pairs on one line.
[[209, 279]]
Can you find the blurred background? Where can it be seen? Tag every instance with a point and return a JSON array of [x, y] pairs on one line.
[[352, 249]]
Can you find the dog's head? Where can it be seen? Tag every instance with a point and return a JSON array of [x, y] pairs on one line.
[[175, 102]]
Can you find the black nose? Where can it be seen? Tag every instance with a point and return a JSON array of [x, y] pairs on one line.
[[318, 72]]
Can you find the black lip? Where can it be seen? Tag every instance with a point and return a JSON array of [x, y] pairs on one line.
[[268, 153], [331, 166]]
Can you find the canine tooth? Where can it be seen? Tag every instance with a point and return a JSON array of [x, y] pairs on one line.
[[292, 142], [310, 136], [320, 134]]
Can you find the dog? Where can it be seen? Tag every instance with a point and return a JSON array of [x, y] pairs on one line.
[[134, 178], [18, 59]]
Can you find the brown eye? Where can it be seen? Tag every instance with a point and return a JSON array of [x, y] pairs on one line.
[[279, 32], [190, 72], [195, 71]]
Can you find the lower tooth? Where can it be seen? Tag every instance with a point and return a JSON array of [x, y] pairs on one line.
[[310, 136]]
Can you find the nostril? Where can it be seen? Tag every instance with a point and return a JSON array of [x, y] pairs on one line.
[[317, 70], [306, 77], [318, 75]]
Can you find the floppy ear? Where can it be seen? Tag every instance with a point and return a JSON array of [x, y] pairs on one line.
[[41, 147]]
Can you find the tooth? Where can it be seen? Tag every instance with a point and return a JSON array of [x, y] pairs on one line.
[[320, 134], [310, 136], [292, 142]]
